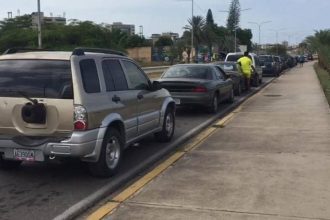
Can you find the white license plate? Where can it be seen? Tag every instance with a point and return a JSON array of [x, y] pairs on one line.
[[26, 155], [177, 101]]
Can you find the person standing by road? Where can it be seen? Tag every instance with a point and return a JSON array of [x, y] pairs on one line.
[[245, 64], [301, 60]]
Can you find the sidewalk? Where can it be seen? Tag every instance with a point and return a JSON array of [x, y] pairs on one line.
[[272, 161]]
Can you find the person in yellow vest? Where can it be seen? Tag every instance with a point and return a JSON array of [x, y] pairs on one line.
[[245, 64]]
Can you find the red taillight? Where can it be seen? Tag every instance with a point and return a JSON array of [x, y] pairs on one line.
[[80, 118], [199, 89], [80, 126]]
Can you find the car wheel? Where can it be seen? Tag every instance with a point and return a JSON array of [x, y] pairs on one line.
[[9, 164], [238, 90], [231, 98], [214, 105], [110, 156], [166, 134], [256, 80]]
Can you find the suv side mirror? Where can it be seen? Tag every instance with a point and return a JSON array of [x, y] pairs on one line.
[[155, 85]]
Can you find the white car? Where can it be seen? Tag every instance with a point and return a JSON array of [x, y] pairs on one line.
[[257, 70]]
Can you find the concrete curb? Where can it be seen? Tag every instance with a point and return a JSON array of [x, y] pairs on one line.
[[106, 190]]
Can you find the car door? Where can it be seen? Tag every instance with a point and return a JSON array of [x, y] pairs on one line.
[[257, 65], [149, 104], [122, 100], [224, 84]]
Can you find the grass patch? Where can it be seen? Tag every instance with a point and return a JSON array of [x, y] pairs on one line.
[[324, 77]]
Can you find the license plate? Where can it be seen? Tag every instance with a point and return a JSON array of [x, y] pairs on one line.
[[26, 155], [177, 101]]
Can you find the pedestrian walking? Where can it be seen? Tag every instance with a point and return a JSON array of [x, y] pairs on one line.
[[245, 65], [301, 61]]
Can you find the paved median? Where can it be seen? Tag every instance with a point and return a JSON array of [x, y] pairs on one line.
[[270, 161]]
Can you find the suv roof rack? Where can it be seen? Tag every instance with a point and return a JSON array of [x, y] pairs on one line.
[[22, 49], [80, 51]]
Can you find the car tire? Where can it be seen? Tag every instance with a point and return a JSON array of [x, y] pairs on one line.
[[238, 90], [9, 164], [256, 80], [214, 105], [231, 98], [111, 155], [167, 132]]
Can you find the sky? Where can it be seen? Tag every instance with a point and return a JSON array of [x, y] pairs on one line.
[[290, 20]]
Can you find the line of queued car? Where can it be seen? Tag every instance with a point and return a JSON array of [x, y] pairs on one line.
[[93, 103], [207, 85]]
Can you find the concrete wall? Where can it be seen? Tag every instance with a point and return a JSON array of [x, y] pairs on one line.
[[140, 53]]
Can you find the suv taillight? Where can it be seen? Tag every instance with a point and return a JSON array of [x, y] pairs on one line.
[[80, 118]]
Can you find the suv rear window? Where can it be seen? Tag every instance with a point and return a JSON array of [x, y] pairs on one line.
[[234, 58], [36, 78]]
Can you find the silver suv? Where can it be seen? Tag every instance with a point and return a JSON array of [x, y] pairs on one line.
[[89, 104]]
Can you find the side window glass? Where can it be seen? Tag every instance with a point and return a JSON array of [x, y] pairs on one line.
[[89, 76], [135, 77], [114, 75], [257, 61], [220, 73]]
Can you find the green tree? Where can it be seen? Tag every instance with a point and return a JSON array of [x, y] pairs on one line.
[[137, 41], [234, 15], [209, 31], [198, 24], [277, 49], [244, 37], [164, 41]]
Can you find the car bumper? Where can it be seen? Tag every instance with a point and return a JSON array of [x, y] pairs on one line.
[[81, 145], [192, 99]]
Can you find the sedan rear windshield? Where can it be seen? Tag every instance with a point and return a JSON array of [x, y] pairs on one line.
[[194, 72], [36, 78]]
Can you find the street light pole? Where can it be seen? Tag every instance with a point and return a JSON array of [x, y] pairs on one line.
[[259, 26], [39, 27]]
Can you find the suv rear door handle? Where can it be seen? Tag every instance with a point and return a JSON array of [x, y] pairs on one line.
[[116, 98], [140, 96]]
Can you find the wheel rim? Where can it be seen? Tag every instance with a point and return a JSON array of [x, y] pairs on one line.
[[169, 124], [113, 153]]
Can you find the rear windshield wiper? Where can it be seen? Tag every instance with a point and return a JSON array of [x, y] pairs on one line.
[[21, 93]]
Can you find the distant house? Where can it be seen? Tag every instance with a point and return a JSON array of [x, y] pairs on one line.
[[46, 20]]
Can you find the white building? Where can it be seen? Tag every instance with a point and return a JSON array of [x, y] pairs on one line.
[[126, 28]]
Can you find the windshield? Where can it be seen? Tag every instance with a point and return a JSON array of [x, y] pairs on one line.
[[194, 72], [234, 58], [36, 78], [228, 66], [266, 59]]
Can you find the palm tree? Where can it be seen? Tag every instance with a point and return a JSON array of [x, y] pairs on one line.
[[198, 24]]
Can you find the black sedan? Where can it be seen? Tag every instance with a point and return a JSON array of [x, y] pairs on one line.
[[231, 70], [198, 84]]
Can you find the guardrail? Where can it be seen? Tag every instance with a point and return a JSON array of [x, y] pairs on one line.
[[155, 69]]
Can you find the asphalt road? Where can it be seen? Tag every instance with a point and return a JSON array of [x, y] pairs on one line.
[[45, 190]]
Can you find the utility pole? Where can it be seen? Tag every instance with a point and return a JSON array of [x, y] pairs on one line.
[[39, 27], [259, 26], [192, 28], [276, 34]]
